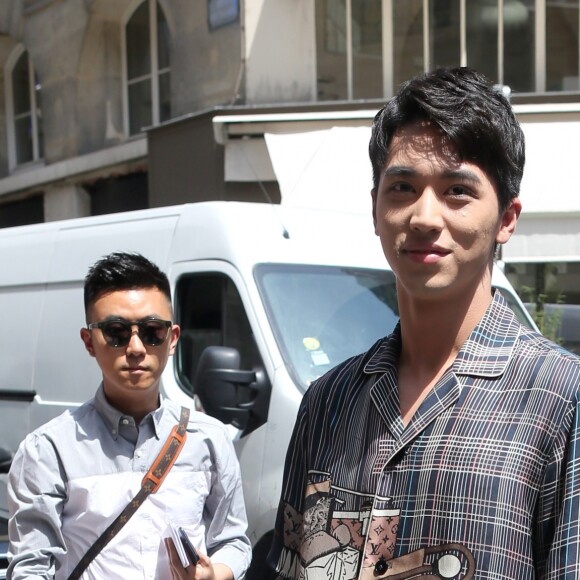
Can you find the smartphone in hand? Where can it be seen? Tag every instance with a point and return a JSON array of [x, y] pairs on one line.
[[187, 554], [191, 552]]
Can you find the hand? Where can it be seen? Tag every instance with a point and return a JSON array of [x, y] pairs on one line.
[[204, 570]]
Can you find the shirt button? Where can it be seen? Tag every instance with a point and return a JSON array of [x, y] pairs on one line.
[[381, 566], [138, 454], [125, 421], [114, 431]]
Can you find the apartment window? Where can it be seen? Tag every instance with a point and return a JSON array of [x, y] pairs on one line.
[[349, 49], [23, 103], [481, 25], [562, 64], [444, 32], [121, 193], [22, 212], [496, 37], [147, 68], [366, 48], [407, 47], [331, 57], [501, 41]]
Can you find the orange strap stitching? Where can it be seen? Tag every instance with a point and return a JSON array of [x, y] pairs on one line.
[[174, 437]]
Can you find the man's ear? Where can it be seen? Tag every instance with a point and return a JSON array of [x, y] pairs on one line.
[[508, 221], [174, 337], [87, 339], [374, 201]]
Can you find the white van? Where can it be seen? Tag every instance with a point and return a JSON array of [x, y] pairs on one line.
[[268, 299]]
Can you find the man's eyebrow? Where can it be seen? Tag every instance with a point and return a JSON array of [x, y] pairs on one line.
[[114, 317], [399, 171], [462, 174]]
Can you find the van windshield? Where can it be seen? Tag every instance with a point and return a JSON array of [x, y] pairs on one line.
[[322, 315]]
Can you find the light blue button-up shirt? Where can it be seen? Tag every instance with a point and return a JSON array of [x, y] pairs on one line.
[[71, 477]]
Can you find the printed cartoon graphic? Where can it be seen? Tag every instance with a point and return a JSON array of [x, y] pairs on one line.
[[330, 541]]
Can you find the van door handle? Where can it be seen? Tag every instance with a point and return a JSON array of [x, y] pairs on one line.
[[22, 395]]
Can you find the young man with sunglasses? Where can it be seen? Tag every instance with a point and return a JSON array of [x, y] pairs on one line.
[[72, 477]]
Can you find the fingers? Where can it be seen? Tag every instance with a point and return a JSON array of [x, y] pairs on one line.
[[178, 572], [204, 569]]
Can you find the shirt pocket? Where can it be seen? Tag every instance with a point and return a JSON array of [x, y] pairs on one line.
[[183, 494]]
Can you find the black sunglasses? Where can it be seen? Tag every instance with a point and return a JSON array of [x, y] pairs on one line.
[[118, 331]]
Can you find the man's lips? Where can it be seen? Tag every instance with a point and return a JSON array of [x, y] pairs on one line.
[[426, 250], [426, 254]]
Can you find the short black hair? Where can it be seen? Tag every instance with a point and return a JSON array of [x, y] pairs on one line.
[[475, 116], [123, 271]]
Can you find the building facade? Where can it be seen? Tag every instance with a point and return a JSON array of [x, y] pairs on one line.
[[112, 105]]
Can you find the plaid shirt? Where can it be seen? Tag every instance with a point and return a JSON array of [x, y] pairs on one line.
[[484, 482]]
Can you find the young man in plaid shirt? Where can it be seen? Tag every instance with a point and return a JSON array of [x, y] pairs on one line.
[[450, 449]]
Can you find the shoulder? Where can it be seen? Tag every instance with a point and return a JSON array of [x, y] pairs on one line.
[[349, 377], [205, 425], [65, 423], [51, 437], [531, 339], [556, 360], [549, 374], [505, 334], [526, 361]]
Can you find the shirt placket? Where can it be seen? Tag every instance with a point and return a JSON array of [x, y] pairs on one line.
[[385, 518], [148, 533]]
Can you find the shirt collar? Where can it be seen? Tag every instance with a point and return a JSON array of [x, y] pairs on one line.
[[386, 353], [485, 353], [490, 345], [115, 419]]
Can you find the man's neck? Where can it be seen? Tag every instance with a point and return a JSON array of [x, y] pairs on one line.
[[432, 335]]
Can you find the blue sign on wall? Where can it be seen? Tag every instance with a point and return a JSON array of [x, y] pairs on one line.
[[222, 12]]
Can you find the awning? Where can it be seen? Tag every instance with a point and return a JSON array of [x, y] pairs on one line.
[[323, 169], [551, 184]]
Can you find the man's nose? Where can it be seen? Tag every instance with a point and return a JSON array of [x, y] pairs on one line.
[[427, 212], [135, 345]]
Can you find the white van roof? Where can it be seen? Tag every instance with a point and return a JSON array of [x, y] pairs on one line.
[[242, 233]]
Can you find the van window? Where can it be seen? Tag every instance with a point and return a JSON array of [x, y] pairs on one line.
[[210, 312], [323, 315]]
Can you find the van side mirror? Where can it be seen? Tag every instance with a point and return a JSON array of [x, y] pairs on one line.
[[233, 396]]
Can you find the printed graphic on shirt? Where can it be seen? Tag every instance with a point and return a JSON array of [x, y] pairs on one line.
[[329, 541]]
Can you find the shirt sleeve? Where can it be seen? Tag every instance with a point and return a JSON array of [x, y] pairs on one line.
[[559, 513], [36, 494], [225, 512]]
